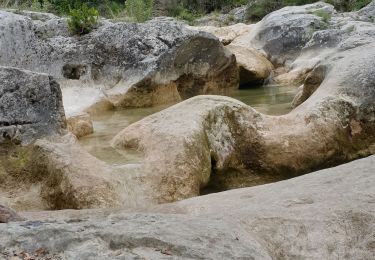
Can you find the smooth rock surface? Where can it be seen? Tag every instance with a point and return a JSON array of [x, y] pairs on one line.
[[221, 143], [226, 34], [324, 215]]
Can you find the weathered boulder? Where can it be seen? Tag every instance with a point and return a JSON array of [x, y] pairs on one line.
[[342, 32], [135, 65], [8, 215], [30, 106], [282, 34], [254, 68], [221, 143], [323, 215], [80, 124]]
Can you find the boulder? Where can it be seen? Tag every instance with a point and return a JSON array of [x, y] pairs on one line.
[[324, 215], [80, 124], [294, 77], [220, 143], [8, 215], [254, 68], [30, 106], [135, 65], [282, 34]]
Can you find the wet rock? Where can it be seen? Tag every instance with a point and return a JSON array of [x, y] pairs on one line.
[[80, 124], [8, 215], [135, 65], [30, 106], [322, 215]]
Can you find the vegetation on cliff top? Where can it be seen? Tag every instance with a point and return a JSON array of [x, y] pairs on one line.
[[189, 10]]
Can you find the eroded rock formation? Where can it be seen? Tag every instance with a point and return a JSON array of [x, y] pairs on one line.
[[212, 142], [323, 215], [134, 65], [221, 143]]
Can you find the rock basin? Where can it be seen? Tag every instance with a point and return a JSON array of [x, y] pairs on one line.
[[271, 100]]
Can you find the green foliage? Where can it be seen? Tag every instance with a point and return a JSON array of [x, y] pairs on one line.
[[83, 19], [257, 10], [106, 8], [188, 16], [205, 6], [139, 10], [348, 5], [326, 17]]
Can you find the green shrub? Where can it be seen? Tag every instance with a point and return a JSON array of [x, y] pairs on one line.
[[139, 10], [326, 17], [188, 16], [83, 19], [258, 9], [205, 6], [348, 5]]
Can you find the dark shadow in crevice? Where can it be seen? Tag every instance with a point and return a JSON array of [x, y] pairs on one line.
[[74, 71]]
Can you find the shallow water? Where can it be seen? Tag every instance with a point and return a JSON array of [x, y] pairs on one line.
[[272, 100]]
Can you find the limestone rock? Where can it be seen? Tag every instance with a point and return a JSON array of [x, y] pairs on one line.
[[82, 99], [226, 34], [311, 84], [221, 143], [71, 178], [30, 106], [283, 33], [135, 65], [80, 124], [293, 77], [323, 215], [254, 68]]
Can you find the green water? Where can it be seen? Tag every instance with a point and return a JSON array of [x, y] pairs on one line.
[[272, 100]]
